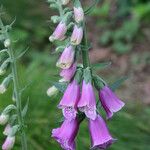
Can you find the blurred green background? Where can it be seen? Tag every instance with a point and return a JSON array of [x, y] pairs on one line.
[[119, 31]]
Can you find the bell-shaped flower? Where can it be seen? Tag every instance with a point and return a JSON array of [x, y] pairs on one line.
[[59, 33], [67, 74], [77, 35], [9, 143], [67, 58], [69, 101], [110, 102], [78, 14], [100, 136], [87, 102], [66, 134]]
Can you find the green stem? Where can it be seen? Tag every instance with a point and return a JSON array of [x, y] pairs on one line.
[[85, 50], [17, 94], [18, 99]]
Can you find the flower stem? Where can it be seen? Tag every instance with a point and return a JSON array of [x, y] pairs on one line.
[[85, 50], [17, 91], [18, 99]]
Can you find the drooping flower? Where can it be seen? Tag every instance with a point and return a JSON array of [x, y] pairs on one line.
[[69, 101], [78, 14], [52, 91], [87, 102], [67, 74], [100, 136], [66, 134], [77, 35], [67, 58], [110, 102], [4, 119], [9, 143], [2, 89], [7, 130], [65, 2], [7, 43], [59, 33]]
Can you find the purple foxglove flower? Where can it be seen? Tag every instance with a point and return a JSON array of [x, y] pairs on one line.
[[100, 136], [9, 143], [78, 14], [67, 74], [67, 58], [59, 33], [110, 102], [87, 102], [77, 35], [7, 129], [70, 99], [66, 134]]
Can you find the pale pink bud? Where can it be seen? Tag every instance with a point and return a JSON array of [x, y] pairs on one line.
[[67, 58], [3, 119], [77, 35], [7, 129], [59, 33], [9, 143], [65, 2], [78, 14]]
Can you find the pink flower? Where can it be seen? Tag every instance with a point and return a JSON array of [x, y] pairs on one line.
[[59, 33], [67, 58], [77, 35], [70, 99], [67, 74], [87, 102], [110, 102], [7, 129], [78, 14], [66, 134], [9, 143], [100, 135]]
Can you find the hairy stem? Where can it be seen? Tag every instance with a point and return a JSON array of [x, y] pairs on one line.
[[17, 90]]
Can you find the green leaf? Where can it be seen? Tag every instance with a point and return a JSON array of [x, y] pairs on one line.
[[118, 83], [20, 55], [91, 8], [14, 130], [101, 65], [25, 109]]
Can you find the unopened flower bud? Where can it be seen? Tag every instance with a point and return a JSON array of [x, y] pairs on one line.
[[9, 143], [3, 119], [77, 35], [52, 91], [59, 33], [7, 43], [2, 89], [4, 66], [78, 14], [7, 130], [65, 2]]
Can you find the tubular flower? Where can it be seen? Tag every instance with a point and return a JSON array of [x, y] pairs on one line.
[[87, 102], [110, 102], [67, 74], [7, 129], [77, 35], [9, 143], [78, 14], [59, 33], [66, 134], [67, 58], [70, 99], [100, 136]]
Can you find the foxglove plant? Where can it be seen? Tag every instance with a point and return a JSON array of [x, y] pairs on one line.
[[12, 117], [79, 100]]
